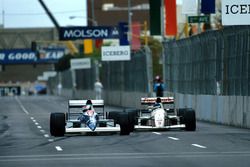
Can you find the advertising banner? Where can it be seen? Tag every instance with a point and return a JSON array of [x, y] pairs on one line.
[[10, 90], [27, 56], [189, 7], [50, 55], [82, 63], [115, 53], [235, 12], [96, 32]]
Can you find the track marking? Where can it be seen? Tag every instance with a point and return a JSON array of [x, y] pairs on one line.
[[157, 133], [199, 146], [51, 140], [31, 118], [39, 127], [36, 123], [46, 135], [58, 148], [43, 131], [22, 107], [174, 138]]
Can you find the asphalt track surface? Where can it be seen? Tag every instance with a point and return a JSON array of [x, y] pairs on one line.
[[25, 141]]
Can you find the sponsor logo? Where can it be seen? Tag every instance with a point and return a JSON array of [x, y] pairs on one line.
[[86, 33], [2, 56], [22, 56], [238, 9], [235, 12], [8, 90], [67, 33], [115, 53]]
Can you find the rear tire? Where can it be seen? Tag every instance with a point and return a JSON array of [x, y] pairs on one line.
[[181, 114], [124, 123], [57, 124], [190, 120]]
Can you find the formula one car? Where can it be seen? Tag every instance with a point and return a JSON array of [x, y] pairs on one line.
[[159, 116], [83, 116]]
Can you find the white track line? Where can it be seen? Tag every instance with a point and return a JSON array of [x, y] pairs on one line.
[[43, 131], [50, 140], [174, 138], [22, 107], [58, 148], [46, 135], [199, 146], [157, 133]]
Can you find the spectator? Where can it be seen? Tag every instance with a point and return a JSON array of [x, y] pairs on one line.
[[159, 86]]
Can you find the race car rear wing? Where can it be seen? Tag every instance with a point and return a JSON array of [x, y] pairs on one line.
[[81, 103], [152, 100]]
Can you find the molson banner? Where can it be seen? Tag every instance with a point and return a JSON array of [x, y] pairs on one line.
[[74, 33], [235, 12], [27, 56]]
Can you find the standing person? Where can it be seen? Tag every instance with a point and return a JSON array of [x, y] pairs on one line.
[[98, 89], [158, 86]]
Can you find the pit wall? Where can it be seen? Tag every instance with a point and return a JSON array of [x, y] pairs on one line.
[[227, 110]]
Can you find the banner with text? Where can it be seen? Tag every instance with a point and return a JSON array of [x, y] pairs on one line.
[[27, 56], [235, 12], [96, 32], [115, 53]]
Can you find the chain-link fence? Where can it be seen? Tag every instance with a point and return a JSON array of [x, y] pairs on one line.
[[114, 75], [215, 62], [126, 75]]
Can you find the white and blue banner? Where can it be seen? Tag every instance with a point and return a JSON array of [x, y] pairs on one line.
[[27, 56]]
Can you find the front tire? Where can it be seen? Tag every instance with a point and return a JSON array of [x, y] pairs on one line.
[[124, 123], [57, 124]]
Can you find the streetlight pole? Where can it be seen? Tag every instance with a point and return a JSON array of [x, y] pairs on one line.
[[129, 22], [93, 10]]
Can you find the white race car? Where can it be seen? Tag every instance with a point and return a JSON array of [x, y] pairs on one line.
[[161, 114], [83, 116]]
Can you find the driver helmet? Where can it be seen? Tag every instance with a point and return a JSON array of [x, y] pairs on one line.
[[88, 106], [158, 100]]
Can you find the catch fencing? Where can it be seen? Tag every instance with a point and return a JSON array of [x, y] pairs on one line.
[[212, 63], [127, 76]]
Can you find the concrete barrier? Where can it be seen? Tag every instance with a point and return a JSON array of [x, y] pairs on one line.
[[229, 110]]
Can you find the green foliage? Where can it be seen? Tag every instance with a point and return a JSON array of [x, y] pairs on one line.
[[63, 63]]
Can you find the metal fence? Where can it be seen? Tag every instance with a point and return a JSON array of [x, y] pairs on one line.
[[126, 75], [114, 75], [215, 62]]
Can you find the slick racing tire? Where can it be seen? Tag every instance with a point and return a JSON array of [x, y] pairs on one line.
[[124, 123], [132, 114], [57, 124], [190, 120]]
